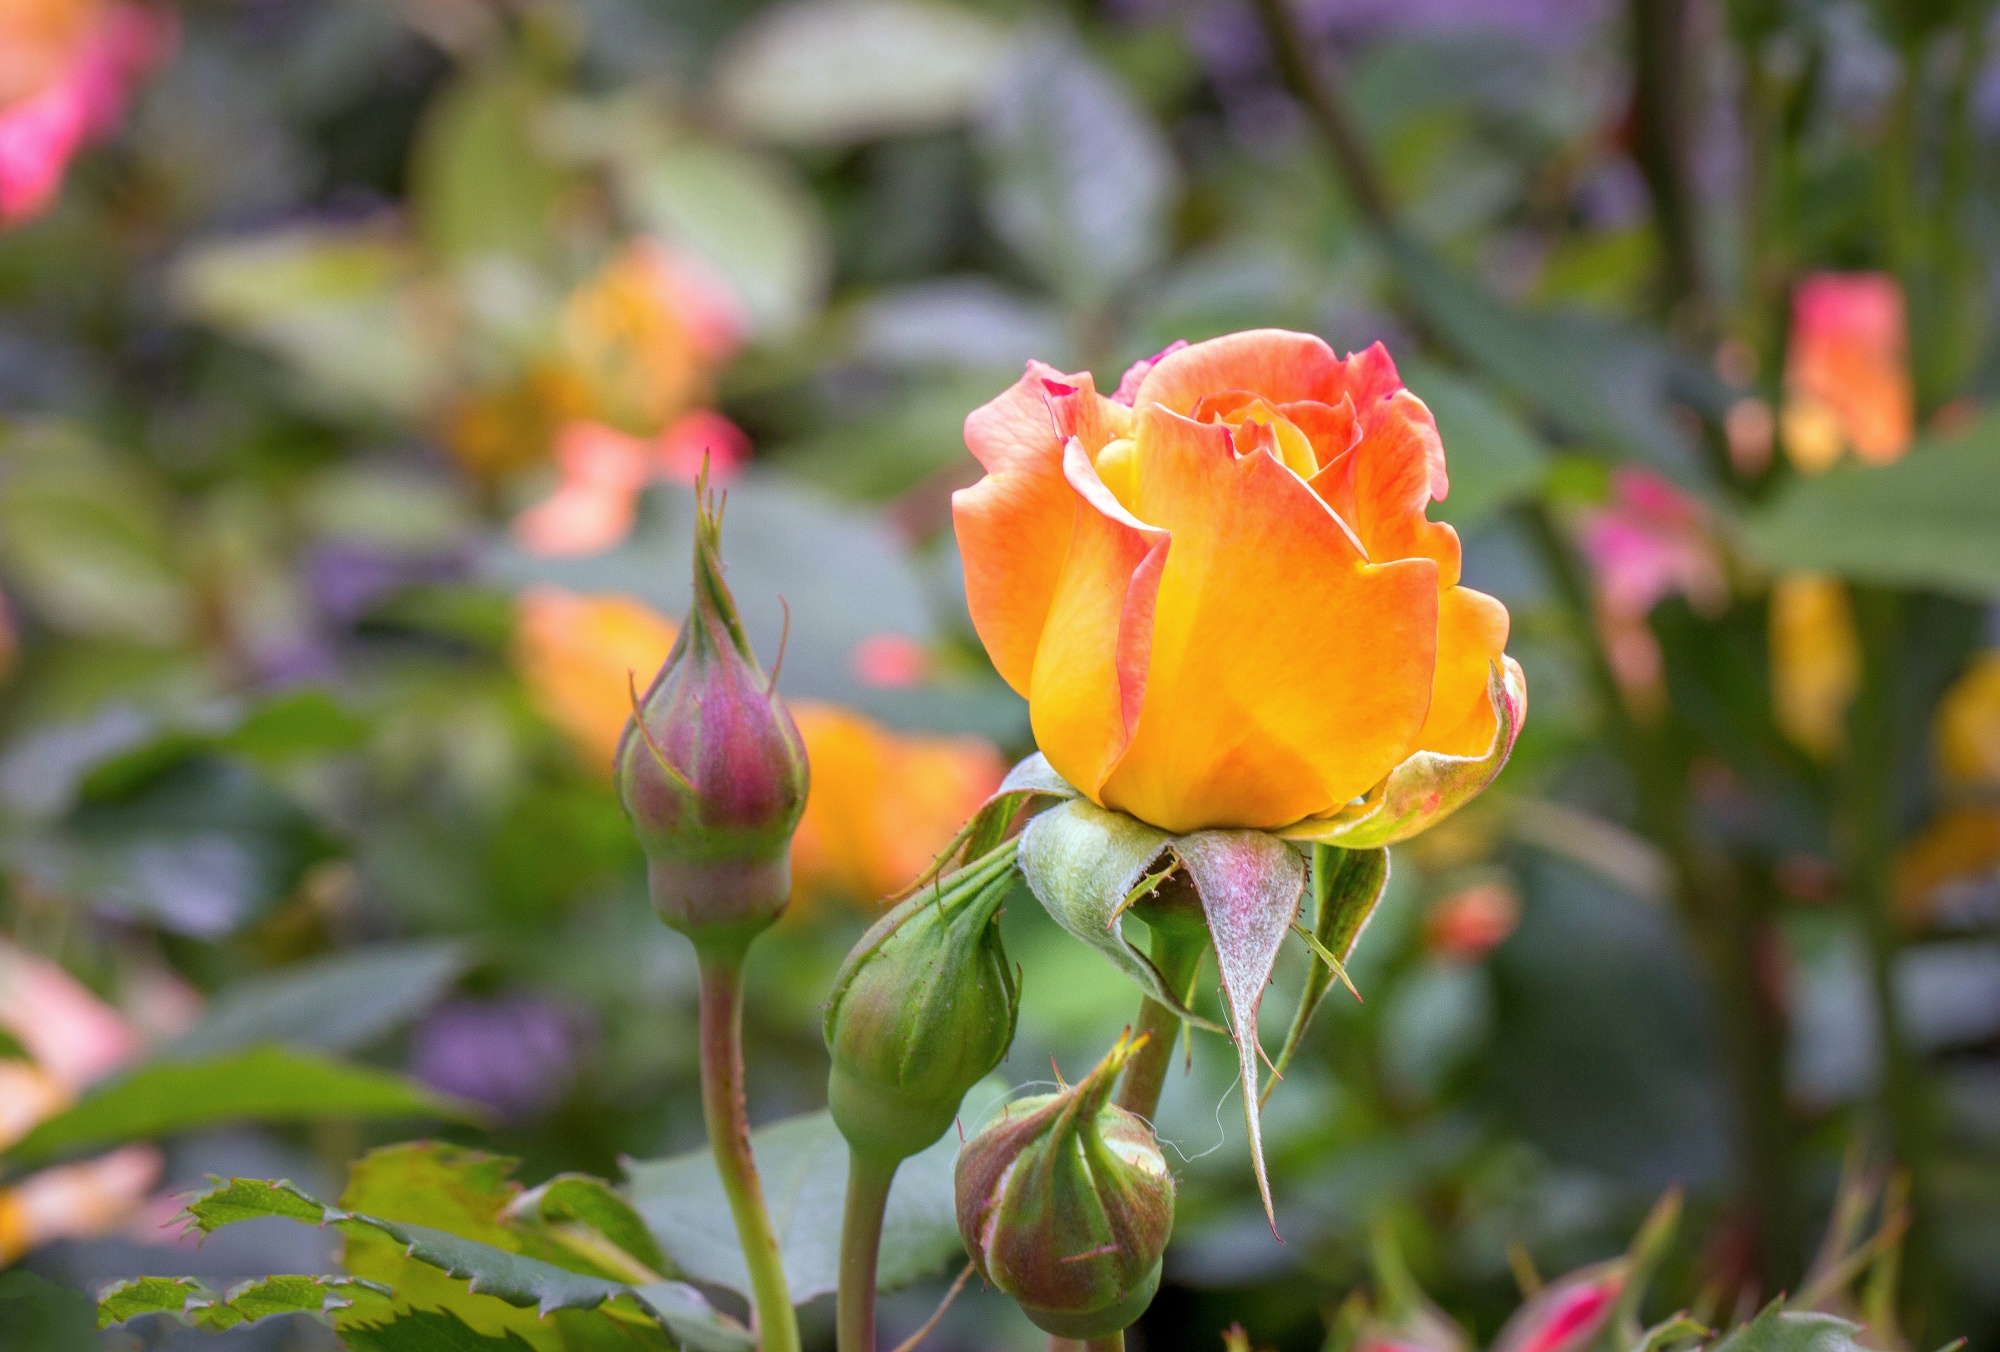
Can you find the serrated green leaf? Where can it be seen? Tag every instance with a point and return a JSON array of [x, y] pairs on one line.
[[803, 1164], [259, 1085], [260, 1298], [147, 1295], [335, 1004], [568, 1202], [1925, 521], [1082, 863], [1781, 1330]]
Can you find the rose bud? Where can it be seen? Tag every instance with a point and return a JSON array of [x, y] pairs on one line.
[[711, 769], [1566, 1316], [922, 1010], [1065, 1204]]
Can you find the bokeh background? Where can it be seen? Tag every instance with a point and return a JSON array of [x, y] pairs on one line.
[[356, 361]]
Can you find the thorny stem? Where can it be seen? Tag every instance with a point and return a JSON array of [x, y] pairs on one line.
[[722, 1106], [868, 1180]]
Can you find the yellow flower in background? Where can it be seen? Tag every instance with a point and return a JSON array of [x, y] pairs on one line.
[[496, 431], [1847, 371], [883, 803], [1815, 660], [1963, 843], [1968, 728], [579, 656]]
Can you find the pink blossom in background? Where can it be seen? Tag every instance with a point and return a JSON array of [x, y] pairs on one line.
[[891, 661], [70, 1033], [1649, 542], [1847, 370], [604, 470], [42, 133]]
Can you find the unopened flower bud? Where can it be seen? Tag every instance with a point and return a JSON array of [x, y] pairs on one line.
[[921, 1011], [1065, 1204], [1566, 1316], [711, 769]]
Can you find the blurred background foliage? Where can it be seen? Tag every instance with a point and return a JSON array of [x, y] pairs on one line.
[[353, 378]]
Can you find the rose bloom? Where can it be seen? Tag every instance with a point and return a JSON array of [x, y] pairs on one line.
[[1217, 588], [1847, 371]]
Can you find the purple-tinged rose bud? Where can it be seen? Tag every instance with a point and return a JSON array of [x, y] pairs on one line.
[[1065, 1204], [711, 769]]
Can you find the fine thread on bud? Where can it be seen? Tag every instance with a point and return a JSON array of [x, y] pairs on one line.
[[646, 734], [784, 637]]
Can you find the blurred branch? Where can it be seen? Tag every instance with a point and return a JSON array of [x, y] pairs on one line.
[[1325, 103], [1660, 142]]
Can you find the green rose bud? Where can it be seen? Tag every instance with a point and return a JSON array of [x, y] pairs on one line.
[[922, 1010], [1065, 1203], [711, 770]]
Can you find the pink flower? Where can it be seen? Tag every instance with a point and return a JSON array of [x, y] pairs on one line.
[[1847, 372], [41, 133], [891, 661], [604, 470], [72, 1035], [1649, 542]]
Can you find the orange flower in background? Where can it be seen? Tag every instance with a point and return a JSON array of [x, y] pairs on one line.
[[1815, 660], [579, 655], [1473, 921], [1218, 589], [66, 71], [1847, 371], [883, 803], [604, 471], [648, 331]]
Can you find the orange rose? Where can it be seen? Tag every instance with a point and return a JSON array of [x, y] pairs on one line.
[[1218, 590], [580, 657]]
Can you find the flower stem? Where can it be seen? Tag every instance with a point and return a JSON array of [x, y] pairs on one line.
[[723, 1109], [868, 1180], [1113, 1343], [1177, 950]]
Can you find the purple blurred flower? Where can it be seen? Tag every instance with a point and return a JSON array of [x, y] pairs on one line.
[[349, 579], [516, 1054]]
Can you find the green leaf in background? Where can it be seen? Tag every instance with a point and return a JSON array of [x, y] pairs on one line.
[[478, 187], [1080, 179], [1926, 521], [260, 1085], [833, 72], [742, 214], [427, 1331], [335, 303], [1494, 460], [85, 540], [569, 1203], [334, 1004], [1599, 381], [260, 1298], [36, 1315], [803, 1162]]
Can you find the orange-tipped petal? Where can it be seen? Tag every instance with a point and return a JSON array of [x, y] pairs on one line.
[[1385, 484], [1277, 364], [1014, 525], [1472, 635], [1089, 678], [1288, 674]]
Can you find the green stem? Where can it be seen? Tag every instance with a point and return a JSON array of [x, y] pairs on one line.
[[1660, 135], [1177, 950], [1867, 842], [1114, 1343], [868, 1180], [1311, 85], [728, 1124]]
